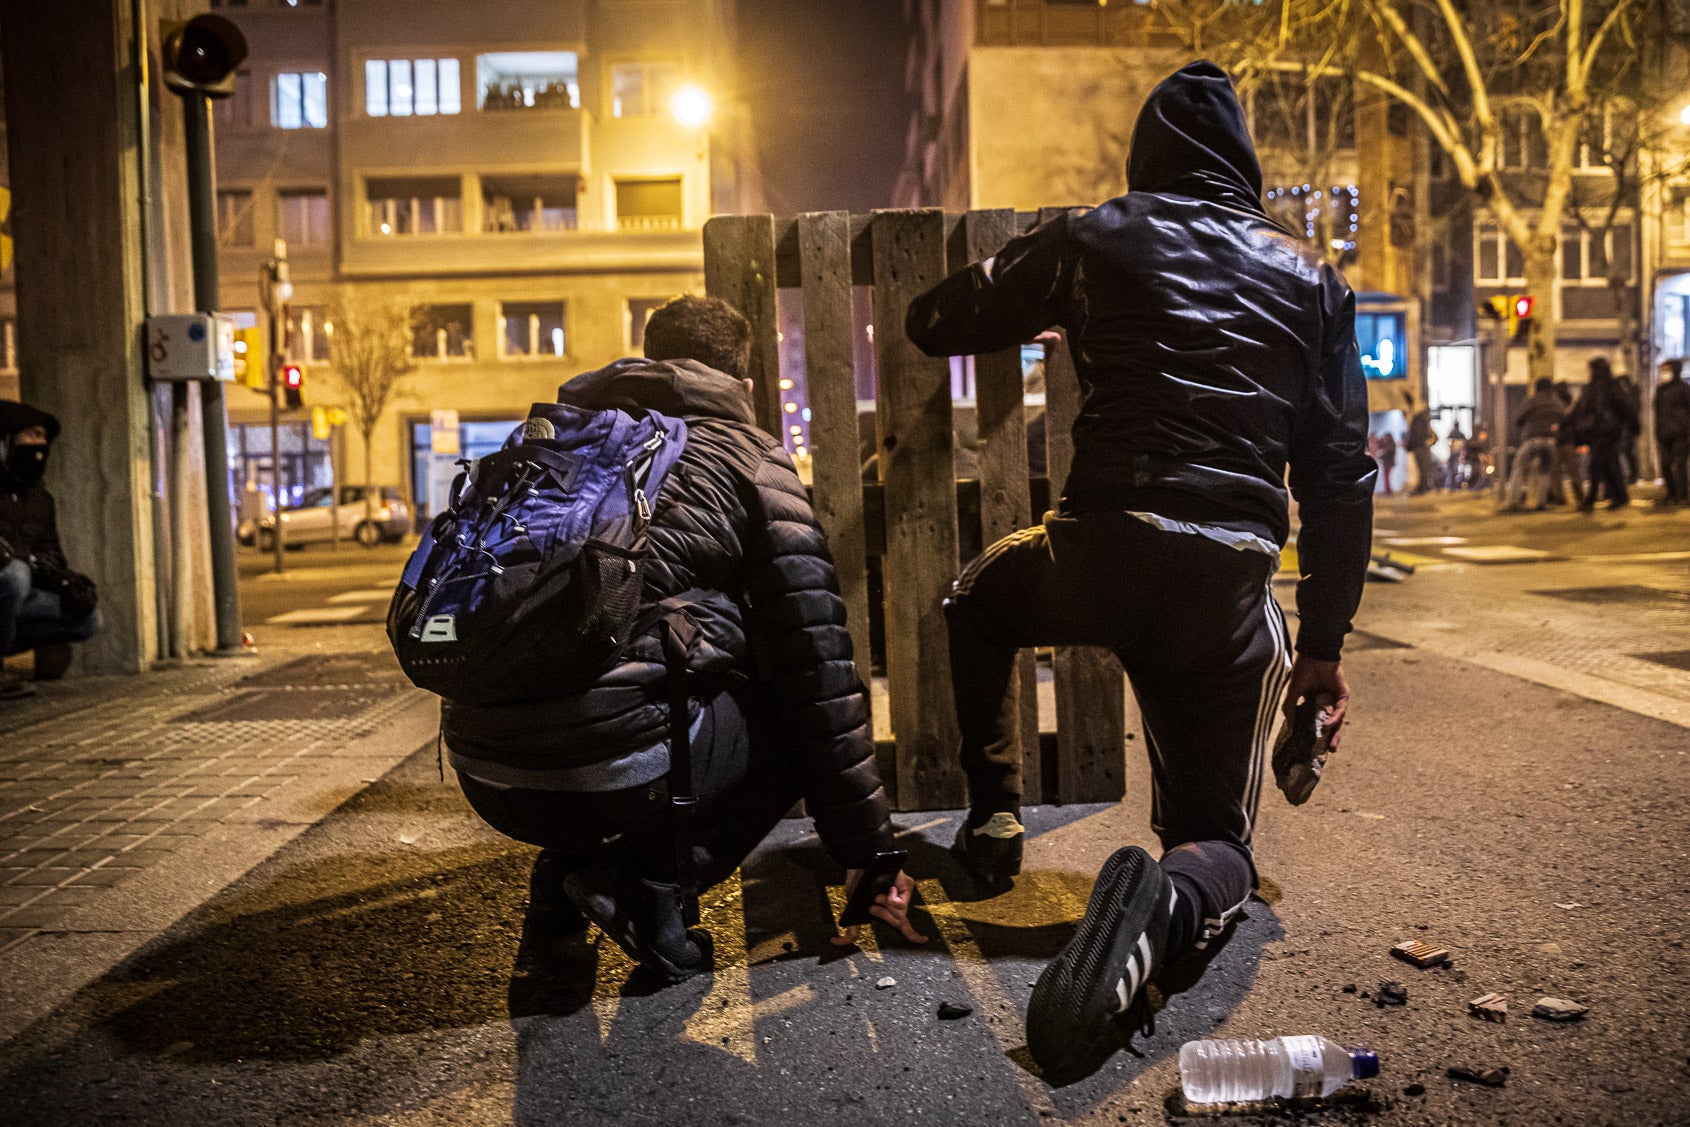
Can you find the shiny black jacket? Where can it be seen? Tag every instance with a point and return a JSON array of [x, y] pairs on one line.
[[1213, 349], [733, 536]]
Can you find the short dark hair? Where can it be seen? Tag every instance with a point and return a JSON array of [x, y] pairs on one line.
[[1600, 369], [1544, 383], [1675, 366], [706, 329]]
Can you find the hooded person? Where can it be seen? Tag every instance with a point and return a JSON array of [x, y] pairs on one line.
[[44, 605], [1214, 349], [777, 710]]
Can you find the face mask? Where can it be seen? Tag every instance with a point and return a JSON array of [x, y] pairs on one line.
[[26, 464]]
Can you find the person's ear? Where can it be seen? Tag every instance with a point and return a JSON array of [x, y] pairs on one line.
[[750, 386]]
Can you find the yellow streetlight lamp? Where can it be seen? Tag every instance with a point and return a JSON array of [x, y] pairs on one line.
[[691, 107]]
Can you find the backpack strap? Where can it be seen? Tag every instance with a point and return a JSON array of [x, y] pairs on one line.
[[679, 633]]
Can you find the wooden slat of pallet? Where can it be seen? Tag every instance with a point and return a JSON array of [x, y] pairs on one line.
[[824, 264], [1090, 690], [739, 268], [1004, 501], [918, 471]]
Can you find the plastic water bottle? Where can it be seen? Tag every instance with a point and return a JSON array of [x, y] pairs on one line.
[[1297, 1067]]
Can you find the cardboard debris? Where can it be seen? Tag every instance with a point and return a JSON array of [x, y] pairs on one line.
[[1491, 1077], [1421, 953], [1559, 1009], [1491, 1007]]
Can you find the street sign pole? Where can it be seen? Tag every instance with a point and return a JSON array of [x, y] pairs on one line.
[[273, 279]]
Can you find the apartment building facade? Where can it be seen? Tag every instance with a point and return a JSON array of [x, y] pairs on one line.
[[530, 176], [1030, 103]]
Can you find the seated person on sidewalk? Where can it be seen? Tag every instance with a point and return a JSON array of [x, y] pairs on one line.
[[44, 606], [1214, 349], [781, 713]]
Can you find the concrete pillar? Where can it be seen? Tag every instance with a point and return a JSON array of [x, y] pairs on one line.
[[73, 115]]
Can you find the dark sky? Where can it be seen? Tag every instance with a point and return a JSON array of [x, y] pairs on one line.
[[824, 81]]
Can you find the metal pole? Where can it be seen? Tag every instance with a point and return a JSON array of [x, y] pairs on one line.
[[202, 227], [275, 361]]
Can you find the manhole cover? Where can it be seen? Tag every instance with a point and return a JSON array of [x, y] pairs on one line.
[[324, 670], [1605, 596], [1672, 659], [292, 704]]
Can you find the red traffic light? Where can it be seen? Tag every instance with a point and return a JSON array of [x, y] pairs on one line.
[[1523, 306], [293, 376]]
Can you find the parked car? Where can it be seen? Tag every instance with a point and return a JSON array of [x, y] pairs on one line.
[[311, 521]]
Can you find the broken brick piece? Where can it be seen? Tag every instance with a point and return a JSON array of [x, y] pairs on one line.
[[1559, 1009], [1491, 1077], [1491, 1007], [1421, 953]]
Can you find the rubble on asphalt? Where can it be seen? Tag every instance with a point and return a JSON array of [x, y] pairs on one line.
[[1490, 1077], [1491, 1007], [1422, 954], [1559, 1009]]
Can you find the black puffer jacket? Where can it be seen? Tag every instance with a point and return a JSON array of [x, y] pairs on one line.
[[1212, 348], [28, 523], [733, 535]]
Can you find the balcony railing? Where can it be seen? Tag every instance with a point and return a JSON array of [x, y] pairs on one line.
[[648, 223]]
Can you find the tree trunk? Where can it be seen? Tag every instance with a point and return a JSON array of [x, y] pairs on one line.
[[369, 481], [1540, 336]]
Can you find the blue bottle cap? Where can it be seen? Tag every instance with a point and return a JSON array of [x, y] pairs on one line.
[[1364, 1064]]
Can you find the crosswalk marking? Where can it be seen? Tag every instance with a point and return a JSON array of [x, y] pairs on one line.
[[316, 616], [1496, 553], [372, 595]]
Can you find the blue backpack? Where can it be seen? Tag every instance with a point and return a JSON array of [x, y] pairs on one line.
[[529, 584]]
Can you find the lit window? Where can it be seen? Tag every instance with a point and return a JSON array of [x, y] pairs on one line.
[[443, 332], [521, 80], [411, 87], [426, 205], [309, 334], [300, 100], [637, 89], [531, 328]]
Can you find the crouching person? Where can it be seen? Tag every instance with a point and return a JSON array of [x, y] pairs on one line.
[[44, 605], [774, 709]]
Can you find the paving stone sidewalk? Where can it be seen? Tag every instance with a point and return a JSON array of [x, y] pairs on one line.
[[118, 791]]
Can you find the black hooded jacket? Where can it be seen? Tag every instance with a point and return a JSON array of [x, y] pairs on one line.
[[28, 524], [1212, 348], [733, 536]]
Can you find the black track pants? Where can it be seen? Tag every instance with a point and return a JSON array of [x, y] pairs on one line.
[[1198, 632]]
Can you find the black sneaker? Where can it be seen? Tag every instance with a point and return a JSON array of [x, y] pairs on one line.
[[643, 917], [1093, 994], [992, 851], [52, 661]]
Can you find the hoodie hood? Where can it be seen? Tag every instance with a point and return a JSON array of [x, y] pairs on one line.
[[678, 388], [1191, 140], [15, 417]]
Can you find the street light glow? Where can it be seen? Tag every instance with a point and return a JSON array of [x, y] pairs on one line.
[[691, 107], [1684, 115]]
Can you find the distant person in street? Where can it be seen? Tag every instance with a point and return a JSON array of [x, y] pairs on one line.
[[1419, 442], [1383, 447], [1476, 452], [44, 605], [1672, 432], [1535, 464], [1601, 418], [1457, 456], [1633, 395], [778, 712], [1566, 486], [1213, 348]]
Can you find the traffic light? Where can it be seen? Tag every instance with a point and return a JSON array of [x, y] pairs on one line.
[[249, 357], [201, 55], [1496, 308], [293, 384], [1520, 314]]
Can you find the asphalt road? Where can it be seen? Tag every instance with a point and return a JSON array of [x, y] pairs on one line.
[[374, 971]]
